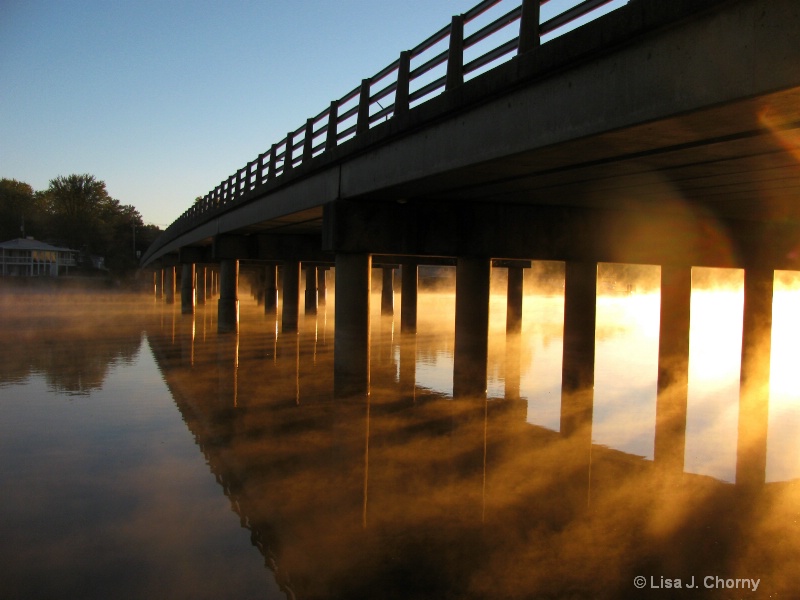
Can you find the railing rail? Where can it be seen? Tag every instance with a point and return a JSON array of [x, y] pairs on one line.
[[403, 84]]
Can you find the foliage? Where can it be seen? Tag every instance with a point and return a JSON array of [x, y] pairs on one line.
[[76, 211], [21, 211]]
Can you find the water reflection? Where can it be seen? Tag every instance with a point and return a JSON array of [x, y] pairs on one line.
[[410, 493]]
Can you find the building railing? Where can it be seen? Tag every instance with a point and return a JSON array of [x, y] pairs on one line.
[[436, 65]]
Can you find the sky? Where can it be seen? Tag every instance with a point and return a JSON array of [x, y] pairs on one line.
[[163, 99]]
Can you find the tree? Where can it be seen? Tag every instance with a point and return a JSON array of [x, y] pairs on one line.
[[21, 211], [78, 206]]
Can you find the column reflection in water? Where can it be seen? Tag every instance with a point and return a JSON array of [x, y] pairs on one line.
[[482, 499]]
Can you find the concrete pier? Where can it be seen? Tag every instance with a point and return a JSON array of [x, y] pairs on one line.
[[291, 295], [187, 289], [673, 367], [408, 297], [577, 367], [352, 314], [228, 303], [322, 288], [158, 284], [311, 290], [169, 285], [200, 285], [270, 289], [387, 292], [514, 300], [472, 326], [751, 451]]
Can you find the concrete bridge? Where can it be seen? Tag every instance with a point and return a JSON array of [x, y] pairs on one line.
[[661, 133]]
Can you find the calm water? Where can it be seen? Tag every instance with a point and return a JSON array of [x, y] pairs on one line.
[[142, 455]]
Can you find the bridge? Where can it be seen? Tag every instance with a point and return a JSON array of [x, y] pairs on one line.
[[659, 133]]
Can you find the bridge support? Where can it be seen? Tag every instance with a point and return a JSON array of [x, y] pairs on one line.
[[352, 320], [387, 292], [322, 291], [472, 326], [169, 285], [751, 451], [673, 367], [200, 285], [228, 303], [187, 289], [514, 300], [408, 297], [291, 295], [577, 367], [311, 290], [270, 289], [158, 284]]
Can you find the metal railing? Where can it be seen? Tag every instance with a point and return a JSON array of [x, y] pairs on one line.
[[427, 70]]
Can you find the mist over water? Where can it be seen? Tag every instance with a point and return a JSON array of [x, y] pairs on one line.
[[142, 454]]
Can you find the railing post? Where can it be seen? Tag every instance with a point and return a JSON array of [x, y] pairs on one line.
[[403, 81], [287, 154], [260, 171], [362, 124], [273, 161], [529, 26], [455, 56], [308, 143], [333, 123]]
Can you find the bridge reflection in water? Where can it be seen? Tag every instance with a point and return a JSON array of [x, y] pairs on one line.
[[411, 492]]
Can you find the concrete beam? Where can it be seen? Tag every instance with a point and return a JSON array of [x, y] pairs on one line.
[[231, 247], [194, 255], [513, 231], [305, 248]]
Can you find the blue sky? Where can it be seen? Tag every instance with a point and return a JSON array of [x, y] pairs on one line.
[[162, 99]]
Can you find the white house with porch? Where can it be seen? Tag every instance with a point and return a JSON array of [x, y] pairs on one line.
[[27, 257]]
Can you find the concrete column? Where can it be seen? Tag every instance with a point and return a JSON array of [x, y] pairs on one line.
[[387, 292], [751, 451], [187, 289], [311, 290], [472, 326], [228, 303], [351, 329], [673, 367], [158, 283], [291, 295], [577, 368], [321, 287], [200, 285], [408, 298], [514, 300], [270, 289], [169, 285]]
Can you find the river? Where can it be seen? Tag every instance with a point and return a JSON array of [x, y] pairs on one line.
[[143, 455]]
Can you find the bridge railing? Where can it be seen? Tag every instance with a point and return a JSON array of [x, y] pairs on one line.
[[470, 44]]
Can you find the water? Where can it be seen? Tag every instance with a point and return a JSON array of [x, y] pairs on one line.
[[143, 455]]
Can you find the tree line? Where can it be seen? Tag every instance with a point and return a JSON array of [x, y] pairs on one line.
[[76, 212]]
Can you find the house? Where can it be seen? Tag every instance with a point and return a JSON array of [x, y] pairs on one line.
[[27, 257]]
